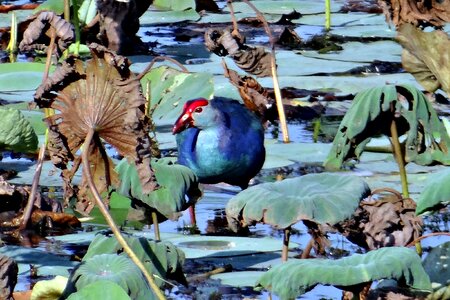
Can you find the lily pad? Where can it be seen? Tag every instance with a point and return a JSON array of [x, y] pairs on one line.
[[295, 277], [239, 279], [436, 193], [16, 133], [320, 198]]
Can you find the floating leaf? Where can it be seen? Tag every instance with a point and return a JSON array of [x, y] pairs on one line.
[[110, 267], [175, 4], [436, 193], [295, 277], [320, 198], [175, 181], [372, 112], [160, 258], [425, 56], [16, 133], [49, 289], [103, 289]]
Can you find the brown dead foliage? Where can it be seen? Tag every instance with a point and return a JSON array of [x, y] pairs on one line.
[[420, 12], [253, 60], [8, 277], [43, 26], [119, 23], [256, 98], [387, 221], [104, 95]]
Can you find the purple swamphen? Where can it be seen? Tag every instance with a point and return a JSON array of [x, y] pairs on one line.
[[220, 141]]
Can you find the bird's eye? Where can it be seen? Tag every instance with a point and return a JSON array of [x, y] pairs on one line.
[[198, 110]]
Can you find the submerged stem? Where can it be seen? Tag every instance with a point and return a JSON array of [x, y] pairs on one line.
[[114, 228]]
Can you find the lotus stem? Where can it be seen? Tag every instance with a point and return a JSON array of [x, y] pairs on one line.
[[399, 157], [12, 45], [104, 210], [200, 277], [156, 226], [273, 65], [427, 236], [160, 58], [76, 24], [316, 131], [37, 175], [327, 15], [286, 237]]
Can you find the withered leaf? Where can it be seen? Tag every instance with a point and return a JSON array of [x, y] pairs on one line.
[[41, 26], [426, 56], [253, 60], [102, 94], [428, 12]]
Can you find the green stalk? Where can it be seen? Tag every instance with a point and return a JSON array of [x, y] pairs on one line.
[[12, 45], [316, 125], [76, 24], [399, 157], [327, 15], [114, 228]]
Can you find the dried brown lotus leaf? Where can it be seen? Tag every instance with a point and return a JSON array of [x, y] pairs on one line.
[[426, 56], [103, 94]]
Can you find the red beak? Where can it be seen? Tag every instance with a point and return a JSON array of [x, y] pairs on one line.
[[183, 122]]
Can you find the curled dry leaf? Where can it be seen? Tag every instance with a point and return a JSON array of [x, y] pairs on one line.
[[255, 97], [253, 60], [388, 221], [426, 56], [44, 24], [428, 12], [101, 94], [8, 271]]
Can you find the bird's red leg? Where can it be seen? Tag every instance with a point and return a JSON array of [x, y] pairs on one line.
[[192, 215]]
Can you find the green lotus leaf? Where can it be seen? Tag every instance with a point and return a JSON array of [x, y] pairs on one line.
[[320, 198], [49, 289], [16, 133], [372, 112], [436, 193], [111, 267], [171, 88], [102, 289], [176, 182], [160, 258], [295, 277]]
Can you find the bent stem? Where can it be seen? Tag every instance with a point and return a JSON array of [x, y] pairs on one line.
[[104, 210], [37, 174]]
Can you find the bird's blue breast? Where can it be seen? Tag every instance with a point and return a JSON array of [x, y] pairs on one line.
[[232, 151]]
